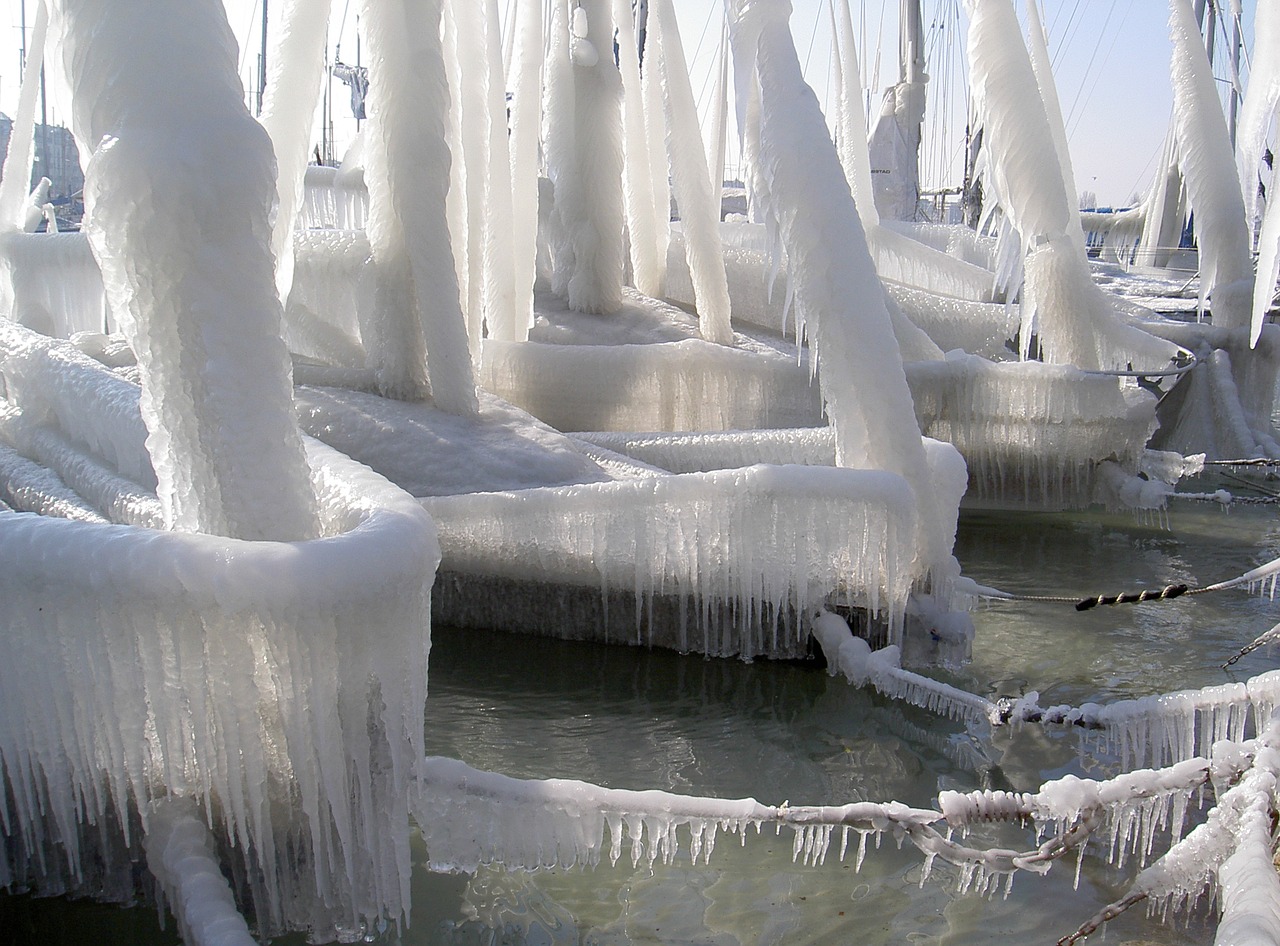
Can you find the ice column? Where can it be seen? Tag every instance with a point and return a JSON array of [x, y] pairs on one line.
[[526, 113], [17, 163], [178, 194], [851, 129], [1075, 321], [584, 158], [415, 330], [288, 113], [840, 300], [646, 230], [1204, 149], [1260, 105], [699, 207]]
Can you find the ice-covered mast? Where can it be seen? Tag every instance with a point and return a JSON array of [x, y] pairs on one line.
[[179, 184], [1024, 170], [1208, 166], [796, 175], [895, 138], [415, 333]]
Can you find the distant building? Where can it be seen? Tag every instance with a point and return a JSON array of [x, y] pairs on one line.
[[61, 165]]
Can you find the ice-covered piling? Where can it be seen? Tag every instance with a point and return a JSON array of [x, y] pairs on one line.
[[415, 333], [289, 101], [584, 157], [178, 192]]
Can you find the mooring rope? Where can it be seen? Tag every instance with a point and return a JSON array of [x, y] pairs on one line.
[[1167, 593]]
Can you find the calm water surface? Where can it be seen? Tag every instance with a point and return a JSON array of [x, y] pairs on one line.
[[634, 719]]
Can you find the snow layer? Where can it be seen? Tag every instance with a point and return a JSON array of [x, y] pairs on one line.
[[179, 186], [280, 685]]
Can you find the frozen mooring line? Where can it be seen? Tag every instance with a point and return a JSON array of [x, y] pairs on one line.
[[471, 818]]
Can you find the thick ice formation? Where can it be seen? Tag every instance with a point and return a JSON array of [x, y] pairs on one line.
[[182, 856], [583, 141], [263, 680], [526, 133], [751, 552], [809, 202], [288, 110], [161, 123], [1262, 98], [1074, 322], [22, 144], [699, 206], [1208, 167], [469, 818], [415, 334]]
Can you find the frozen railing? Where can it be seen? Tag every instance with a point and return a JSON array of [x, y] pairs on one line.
[[278, 684], [759, 544], [51, 283], [333, 199]]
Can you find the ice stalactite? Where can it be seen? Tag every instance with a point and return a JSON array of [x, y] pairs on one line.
[[840, 300], [526, 132], [584, 158], [503, 317], [1075, 322], [699, 207], [22, 143], [183, 243], [1208, 167], [288, 112], [415, 333], [647, 227], [762, 545]]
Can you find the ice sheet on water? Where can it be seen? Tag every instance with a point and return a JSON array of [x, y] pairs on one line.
[[278, 685]]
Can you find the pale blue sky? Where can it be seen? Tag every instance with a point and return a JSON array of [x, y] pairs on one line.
[[1111, 62]]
